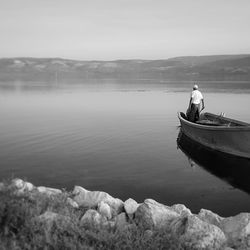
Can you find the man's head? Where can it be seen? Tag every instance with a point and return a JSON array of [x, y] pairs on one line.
[[195, 87]]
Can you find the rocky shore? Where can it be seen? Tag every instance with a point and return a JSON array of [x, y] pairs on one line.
[[205, 230]]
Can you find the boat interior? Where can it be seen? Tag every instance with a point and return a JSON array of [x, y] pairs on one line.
[[210, 119]]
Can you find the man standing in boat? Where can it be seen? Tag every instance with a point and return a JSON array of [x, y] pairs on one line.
[[195, 103]]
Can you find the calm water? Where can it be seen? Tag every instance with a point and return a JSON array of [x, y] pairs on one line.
[[120, 138]]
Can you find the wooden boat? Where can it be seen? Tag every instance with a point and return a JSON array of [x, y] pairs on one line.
[[219, 133]]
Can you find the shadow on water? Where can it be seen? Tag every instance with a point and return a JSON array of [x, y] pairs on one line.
[[234, 170]]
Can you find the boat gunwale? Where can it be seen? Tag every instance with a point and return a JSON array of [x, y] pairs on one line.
[[209, 127], [230, 120]]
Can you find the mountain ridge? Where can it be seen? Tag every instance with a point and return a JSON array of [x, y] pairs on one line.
[[210, 67]]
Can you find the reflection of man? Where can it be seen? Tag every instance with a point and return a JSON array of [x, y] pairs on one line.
[[194, 105]]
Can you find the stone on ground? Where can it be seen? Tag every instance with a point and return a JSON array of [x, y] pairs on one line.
[[17, 183], [237, 229], [121, 221], [72, 203], [181, 209], [22, 186], [210, 217], [196, 234], [2, 186], [130, 207], [91, 199], [48, 219], [152, 214], [92, 218], [49, 191], [105, 210]]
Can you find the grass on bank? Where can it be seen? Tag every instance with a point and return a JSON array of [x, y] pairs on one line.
[[20, 230]]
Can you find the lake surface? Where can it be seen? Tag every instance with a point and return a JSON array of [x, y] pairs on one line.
[[119, 137]]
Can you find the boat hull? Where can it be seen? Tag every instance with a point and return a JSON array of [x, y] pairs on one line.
[[231, 140]]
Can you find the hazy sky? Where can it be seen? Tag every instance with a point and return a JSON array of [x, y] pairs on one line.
[[123, 29]]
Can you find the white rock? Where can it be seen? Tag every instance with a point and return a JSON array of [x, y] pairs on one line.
[[237, 229], [49, 191], [21, 186], [196, 234], [79, 191], [121, 221], [152, 214], [93, 219], [92, 198], [72, 203], [109, 224], [28, 186], [17, 183], [49, 218], [210, 217], [88, 198], [130, 207], [181, 209], [116, 204], [148, 234], [2, 186], [105, 210]]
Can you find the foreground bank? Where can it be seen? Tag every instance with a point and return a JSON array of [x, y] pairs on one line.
[[41, 217]]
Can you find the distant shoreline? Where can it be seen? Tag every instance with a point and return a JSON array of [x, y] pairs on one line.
[[190, 68]]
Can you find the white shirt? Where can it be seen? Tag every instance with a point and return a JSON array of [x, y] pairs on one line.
[[196, 96]]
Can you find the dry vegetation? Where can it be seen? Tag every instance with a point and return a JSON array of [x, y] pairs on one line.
[[21, 229]]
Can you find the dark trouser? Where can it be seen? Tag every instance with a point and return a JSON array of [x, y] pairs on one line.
[[194, 113]]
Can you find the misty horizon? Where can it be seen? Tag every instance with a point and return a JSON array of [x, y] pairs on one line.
[[123, 59]]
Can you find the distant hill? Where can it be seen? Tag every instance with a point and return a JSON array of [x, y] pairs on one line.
[[217, 67]]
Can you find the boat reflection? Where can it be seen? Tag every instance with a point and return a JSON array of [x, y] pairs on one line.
[[232, 169]]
